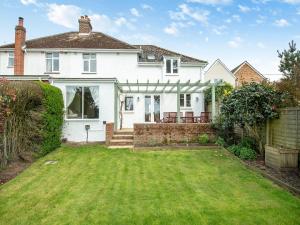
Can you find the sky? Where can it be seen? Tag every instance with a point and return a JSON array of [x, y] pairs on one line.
[[231, 30]]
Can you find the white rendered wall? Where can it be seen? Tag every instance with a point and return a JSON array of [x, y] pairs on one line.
[[74, 130], [217, 71], [168, 103], [123, 66]]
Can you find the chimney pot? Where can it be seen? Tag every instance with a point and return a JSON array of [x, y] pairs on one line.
[[85, 26], [21, 21]]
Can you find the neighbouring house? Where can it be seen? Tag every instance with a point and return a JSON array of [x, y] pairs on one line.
[[218, 70], [246, 73], [105, 80]]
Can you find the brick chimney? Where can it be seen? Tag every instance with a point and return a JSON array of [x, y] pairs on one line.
[[20, 36], [85, 26]]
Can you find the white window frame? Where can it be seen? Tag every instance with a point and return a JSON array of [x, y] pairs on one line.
[[82, 104], [52, 58], [172, 59], [11, 56], [129, 96], [185, 101], [89, 62]]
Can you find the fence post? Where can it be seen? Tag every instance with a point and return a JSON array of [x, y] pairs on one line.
[[268, 132]]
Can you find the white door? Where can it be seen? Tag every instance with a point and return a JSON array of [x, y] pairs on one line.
[[152, 108]]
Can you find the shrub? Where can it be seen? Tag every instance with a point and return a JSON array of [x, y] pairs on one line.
[[247, 153], [220, 141], [52, 118], [248, 142], [203, 139], [235, 149]]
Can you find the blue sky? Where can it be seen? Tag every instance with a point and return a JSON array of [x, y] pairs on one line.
[[231, 30]]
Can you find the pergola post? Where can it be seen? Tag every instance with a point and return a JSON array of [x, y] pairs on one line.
[[213, 101], [178, 103], [116, 102]]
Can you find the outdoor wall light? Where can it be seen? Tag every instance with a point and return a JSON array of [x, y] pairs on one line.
[[197, 99], [138, 98]]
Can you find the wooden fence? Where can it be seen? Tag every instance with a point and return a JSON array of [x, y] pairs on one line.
[[285, 131]]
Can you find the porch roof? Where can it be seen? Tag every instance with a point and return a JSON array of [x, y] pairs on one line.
[[160, 87]]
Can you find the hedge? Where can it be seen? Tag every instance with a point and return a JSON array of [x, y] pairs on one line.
[[33, 119], [52, 118]]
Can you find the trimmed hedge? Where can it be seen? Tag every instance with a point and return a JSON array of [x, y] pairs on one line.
[[33, 119], [52, 118]]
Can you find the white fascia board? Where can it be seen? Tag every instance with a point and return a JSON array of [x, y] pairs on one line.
[[25, 77], [150, 63], [82, 80], [202, 65], [80, 50]]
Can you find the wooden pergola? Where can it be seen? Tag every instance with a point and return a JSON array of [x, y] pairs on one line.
[[162, 88]]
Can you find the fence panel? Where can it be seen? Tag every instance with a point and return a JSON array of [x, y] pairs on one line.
[[285, 131]]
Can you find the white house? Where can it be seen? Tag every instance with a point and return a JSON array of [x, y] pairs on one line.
[[90, 66], [218, 70]]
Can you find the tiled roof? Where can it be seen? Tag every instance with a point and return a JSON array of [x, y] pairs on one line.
[[148, 51], [94, 40]]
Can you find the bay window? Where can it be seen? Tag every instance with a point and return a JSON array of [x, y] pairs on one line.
[[82, 102], [171, 66], [52, 62], [11, 59], [89, 63]]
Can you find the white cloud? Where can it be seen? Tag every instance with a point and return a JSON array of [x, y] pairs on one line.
[[65, 15], [172, 29], [211, 2], [196, 14], [28, 2], [281, 23], [122, 21], [135, 12], [235, 42], [244, 9], [291, 1], [236, 18], [146, 7], [219, 30], [261, 45]]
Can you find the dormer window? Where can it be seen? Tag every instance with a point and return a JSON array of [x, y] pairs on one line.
[[172, 66]]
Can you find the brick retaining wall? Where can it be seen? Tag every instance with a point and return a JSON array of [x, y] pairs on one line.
[[109, 132], [167, 133]]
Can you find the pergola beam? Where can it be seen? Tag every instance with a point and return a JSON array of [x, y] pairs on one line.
[[166, 84], [156, 86], [174, 86]]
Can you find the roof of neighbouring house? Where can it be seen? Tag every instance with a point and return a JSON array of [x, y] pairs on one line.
[[236, 69], [94, 40], [152, 53]]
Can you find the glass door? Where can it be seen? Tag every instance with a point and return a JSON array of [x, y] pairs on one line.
[[152, 107], [156, 110], [148, 108]]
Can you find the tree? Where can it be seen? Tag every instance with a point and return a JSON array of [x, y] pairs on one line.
[[250, 107], [290, 67]]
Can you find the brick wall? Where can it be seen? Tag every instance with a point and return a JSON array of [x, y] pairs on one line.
[[164, 134], [109, 132], [247, 75]]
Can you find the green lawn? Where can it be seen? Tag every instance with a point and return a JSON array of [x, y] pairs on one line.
[[93, 185]]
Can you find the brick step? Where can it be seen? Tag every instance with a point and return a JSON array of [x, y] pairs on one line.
[[122, 136], [123, 132], [121, 142]]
